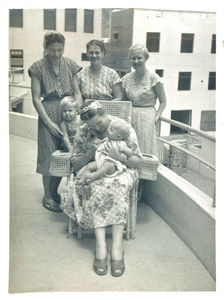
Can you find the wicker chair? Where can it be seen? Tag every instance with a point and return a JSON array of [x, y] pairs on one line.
[[123, 110]]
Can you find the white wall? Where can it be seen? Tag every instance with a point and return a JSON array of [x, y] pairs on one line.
[[171, 25], [187, 210], [30, 37]]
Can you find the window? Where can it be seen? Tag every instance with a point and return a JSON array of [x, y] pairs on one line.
[[88, 20], [160, 72], [152, 41], [213, 48], [184, 83], [84, 57], [208, 122], [17, 106], [16, 18], [187, 41], [50, 19], [116, 36], [212, 81], [183, 116], [70, 19], [16, 59]]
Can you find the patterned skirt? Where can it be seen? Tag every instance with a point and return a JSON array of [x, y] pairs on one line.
[[143, 121], [102, 203], [48, 143]]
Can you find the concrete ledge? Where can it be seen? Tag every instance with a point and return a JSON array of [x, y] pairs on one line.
[[23, 125], [187, 210]]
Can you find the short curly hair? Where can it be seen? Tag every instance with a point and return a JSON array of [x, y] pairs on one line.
[[53, 37], [96, 43], [89, 114], [137, 47]]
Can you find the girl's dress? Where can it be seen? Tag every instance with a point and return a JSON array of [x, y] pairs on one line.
[[143, 99], [53, 88], [72, 128], [97, 87], [106, 202]]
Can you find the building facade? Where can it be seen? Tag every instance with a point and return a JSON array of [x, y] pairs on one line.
[[182, 49], [28, 26]]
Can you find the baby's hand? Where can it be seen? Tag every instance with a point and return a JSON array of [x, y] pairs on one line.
[[123, 148]]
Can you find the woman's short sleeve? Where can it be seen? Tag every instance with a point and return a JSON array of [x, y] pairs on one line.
[[155, 78], [73, 66], [115, 78], [79, 78], [34, 70]]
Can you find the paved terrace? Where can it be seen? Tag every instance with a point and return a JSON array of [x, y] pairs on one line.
[[42, 258]]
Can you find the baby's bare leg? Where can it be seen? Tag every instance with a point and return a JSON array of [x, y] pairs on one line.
[[108, 168]]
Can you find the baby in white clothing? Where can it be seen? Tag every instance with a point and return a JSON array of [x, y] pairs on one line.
[[104, 165]]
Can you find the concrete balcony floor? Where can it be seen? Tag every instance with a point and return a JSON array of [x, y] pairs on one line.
[[43, 259]]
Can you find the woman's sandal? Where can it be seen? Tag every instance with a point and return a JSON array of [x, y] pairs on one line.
[[117, 266], [52, 206], [100, 265]]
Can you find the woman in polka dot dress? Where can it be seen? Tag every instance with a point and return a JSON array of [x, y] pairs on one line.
[[52, 78]]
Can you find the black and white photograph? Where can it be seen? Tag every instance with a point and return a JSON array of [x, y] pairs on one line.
[[112, 126]]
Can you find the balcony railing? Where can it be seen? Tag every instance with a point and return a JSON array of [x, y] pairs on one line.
[[17, 72], [198, 133], [172, 144]]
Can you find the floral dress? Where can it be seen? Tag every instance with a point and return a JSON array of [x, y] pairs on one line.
[[53, 88], [106, 199], [98, 87], [143, 99]]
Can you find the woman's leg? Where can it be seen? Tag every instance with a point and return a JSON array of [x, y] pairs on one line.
[[55, 181], [47, 186], [48, 201], [101, 246], [117, 245]]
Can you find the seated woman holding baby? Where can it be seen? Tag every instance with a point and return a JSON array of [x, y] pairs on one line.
[[105, 156]]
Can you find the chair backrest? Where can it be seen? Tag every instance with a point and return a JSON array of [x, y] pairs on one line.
[[120, 109]]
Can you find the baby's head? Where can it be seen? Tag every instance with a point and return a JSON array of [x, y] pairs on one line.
[[69, 108], [118, 130]]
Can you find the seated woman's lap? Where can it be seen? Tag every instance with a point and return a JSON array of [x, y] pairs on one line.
[[105, 202]]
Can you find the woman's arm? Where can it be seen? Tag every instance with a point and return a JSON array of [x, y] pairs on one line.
[[82, 160], [77, 93], [117, 92], [131, 162], [160, 92], [36, 92], [66, 137]]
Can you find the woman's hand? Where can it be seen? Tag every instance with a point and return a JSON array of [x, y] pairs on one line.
[[54, 129], [157, 119], [114, 153]]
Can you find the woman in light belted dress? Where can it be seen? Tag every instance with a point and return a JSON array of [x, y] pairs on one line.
[[52, 78], [143, 88]]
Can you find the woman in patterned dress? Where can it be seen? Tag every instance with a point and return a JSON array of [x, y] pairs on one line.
[[96, 81], [143, 87], [52, 78], [106, 199]]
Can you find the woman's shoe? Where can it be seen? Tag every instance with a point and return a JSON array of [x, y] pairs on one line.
[[117, 267], [52, 206], [100, 265]]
